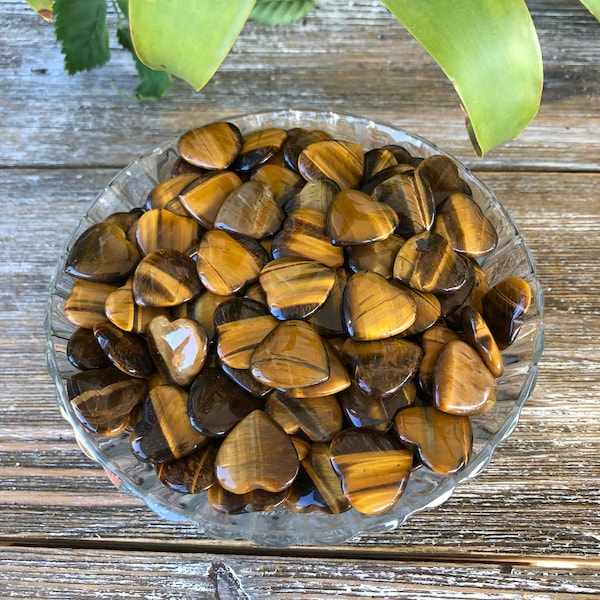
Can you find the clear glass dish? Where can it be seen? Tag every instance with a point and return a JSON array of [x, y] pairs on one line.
[[282, 527]]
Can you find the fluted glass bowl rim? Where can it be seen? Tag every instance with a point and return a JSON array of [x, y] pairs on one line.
[[281, 527]]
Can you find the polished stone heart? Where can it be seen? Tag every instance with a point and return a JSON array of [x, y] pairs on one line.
[[229, 503], [165, 278], [462, 384], [179, 348], [250, 210], [203, 197], [259, 146], [297, 140], [103, 399], [452, 302], [355, 218], [376, 308], [102, 253], [381, 367], [432, 341], [429, 311], [374, 468], [378, 159], [212, 146], [318, 418], [461, 221], [477, 334], [377, 257], [84, 307], [227, 262], [160, 228], [122, 311], [283, 182], [329, 319], [304, 234], [216, 404], [244, 379], [444, 442], [296, 287], [442, 174], [84, 352], [271, 466], [202, 309], [427, 263], [504, 306], [342, 162], [191, 474], [317, 194], [304, 497], [164, 432], [165, 194], [292, 355]]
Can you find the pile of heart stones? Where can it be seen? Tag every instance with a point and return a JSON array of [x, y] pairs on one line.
[[291, 320]]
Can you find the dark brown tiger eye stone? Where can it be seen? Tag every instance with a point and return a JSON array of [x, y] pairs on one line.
[[355, 218], [160, 228], [427, 263], [442, 174], [229, 503], [165, 194], [377, 257], [432, 341], [429, 311], [84, 352], [338, 160], [273, 464], [102, 399], [477, 334], [452, 302], [125, 220], [297, 140], [216, 404], [381, 367], [329, 319], [165, 278], [505, 306], [84, 306], [258, 146], [444, 441], [374, 468], [191, 474], [244, 379], [102, 253], [317, 194], [304, 497], [183, 167], [378, 159], [283, 182], [369, 184], [164, 432], [212, 146]]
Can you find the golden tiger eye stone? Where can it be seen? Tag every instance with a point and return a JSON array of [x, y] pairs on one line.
[[283, 182], [160, 228], [229, 503], [165, 194], [432, 341], [444, 441], [377, 257], [442, 174], [429, 311], [258, 146], [317, 194], [373, 466], [84, 307], [297, 140], [271, 466], [212, 146], [122, 311], [477, 334]]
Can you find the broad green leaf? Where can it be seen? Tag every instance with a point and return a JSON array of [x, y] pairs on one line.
[[42, 8], [187, 38], [280, 12], [490, 52], [593, 6], [124, 6], [154, 84], [80, 26]]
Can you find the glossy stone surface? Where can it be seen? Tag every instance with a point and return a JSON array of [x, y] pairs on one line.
[[244, 379], [212, 146], [165, 194], [191, 474], [377, 160], [429, 311], [442, 174], [164, 432], [103, 399], [160, 228], [297, 140], [317, 194], [462, 384], [504, 307], [376, 308], [374, 468], [283, 182], [377, 257], [229, 503], [122, 310], [292, 355], [102, 253], [329, 318], [84, 307], [304, 496], [179, 348], [202, 309], [258, 146], [271, 466], [476, 332], [355, 218], [165, 278], [432, 341], [84, 352], [444, 442]]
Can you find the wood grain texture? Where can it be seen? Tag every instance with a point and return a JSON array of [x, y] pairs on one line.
[[527, 527]]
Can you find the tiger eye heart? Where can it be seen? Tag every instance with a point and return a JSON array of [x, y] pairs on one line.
[[102, 253], [160, 228], [292, 355], [427, 263], [462, 384], [378, 159], [85, 305], [297, 140], [165, 194], [283, 182], [477, 334], [84, 352], [429, 311], [329, 319], [273, 464], [122, 311], [443, 441], [442, 174], [164, 432], [179, 348], [355, 218], [296, 287], [377, 257], [373, 466], [229, 503], [317, 194], [432, 341], [212, 146], [258, 146], [376, 308]]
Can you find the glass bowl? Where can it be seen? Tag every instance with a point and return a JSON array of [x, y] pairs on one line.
[[282, 527]]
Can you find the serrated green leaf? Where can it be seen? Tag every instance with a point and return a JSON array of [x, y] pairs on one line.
[[280, 12], [593, 6], [42, 8], [154, 84], [81, 28], [490, 52], [189, 39]]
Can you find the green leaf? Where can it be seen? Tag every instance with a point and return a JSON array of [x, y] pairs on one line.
[[187, 38], [490, 52], [154, 84], [42, 8], [593, 6], [280, 12], [124, 6], [81, 27]]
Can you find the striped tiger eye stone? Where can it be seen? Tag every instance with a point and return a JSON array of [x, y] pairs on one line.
[[297, 140], [84, 352], [160, 228], [377, 257], [212, 146], [316, 194], [84, 307], [165, 194], [442, 174], [165, 278], [283, 182], [377, 160], [229, 503], [429, 311], [191, 474], [374, 468], [478, 335], [122, 311], [258, 146], [432, 341]]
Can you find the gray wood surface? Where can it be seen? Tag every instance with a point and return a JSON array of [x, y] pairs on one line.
[[527, 527]]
